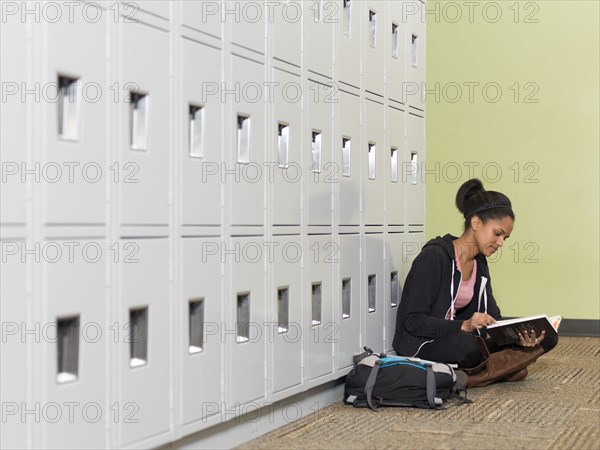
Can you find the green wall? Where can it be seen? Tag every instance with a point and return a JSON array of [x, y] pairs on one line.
[[542, 134]]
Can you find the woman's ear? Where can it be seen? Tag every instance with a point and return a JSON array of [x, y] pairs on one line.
[[475, 223]]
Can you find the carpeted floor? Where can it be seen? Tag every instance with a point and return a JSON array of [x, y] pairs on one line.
[[556, 407]]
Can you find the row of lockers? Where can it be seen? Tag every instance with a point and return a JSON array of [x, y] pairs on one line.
[[151, 363], [230, 131]]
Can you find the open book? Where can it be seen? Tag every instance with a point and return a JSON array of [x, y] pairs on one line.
[[505, 332]]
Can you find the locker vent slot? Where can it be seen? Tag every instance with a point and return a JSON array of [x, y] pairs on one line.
[[138, 337], [283, 144], [139, 120], [394, 291], [196, 325], [414, 166], [68, 349], [346, 297], [283, 309], [196, 115], [68, 108], [394, 164], [243, 138], [395, 46], [414, 44], [372, 28], [347, 17], [372, 163], [243, 317], [372, 286], [346, 155], [316, 303], [316, 151]]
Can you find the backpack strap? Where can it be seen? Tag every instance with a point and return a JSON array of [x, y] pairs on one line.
[[431, 387], [371, 383]]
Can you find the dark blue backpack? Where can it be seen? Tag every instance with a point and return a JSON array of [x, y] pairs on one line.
[[381, 380]]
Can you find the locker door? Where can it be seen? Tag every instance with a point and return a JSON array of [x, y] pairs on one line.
[[413, 175], [395, 167], [374, 17], [349, 310], [287, 31], [245, 330], [321, 172], [321, 331], [15, 137], [374, 293], [394, 282], [143, 329], [201, 135], [286, 157], [320, 17], [247, 154], [285, 304], [373, 154], [247, 21], [204, 16], [144, 126], [394, 33], [201, 344], [350, 33], [74, 349], [16, 351], [160, 9], [349, 161], [74, 183], [415, 42]]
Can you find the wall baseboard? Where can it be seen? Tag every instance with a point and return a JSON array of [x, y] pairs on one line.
[[580, 327]]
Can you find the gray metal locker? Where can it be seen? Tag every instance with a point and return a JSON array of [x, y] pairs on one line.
[[74, 348], [350, 35], [74, 146], [287, 19], [16, 137], [349, 311], [374, 17], [395, 274], [373, 291], [395, 166], [245, 322], [142, 341], [321, 329], [285, 324], [143, 126], [200, 135], [17, 342], [349, 160], [285, 169], [413, 173], [244, 170], [201, 331], [373, 154], [320, 171]]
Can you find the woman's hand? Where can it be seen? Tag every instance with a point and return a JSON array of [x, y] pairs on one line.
[[477, 321], [529, 339]]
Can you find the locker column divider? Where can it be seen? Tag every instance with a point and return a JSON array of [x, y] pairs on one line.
[[114, 151], [34, 230], [269, 286], [176, 310], [227, 140]]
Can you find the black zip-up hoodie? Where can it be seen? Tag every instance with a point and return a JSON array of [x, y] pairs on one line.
[[427, 297]]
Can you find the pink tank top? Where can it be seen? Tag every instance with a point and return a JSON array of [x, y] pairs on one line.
[[465, 291]]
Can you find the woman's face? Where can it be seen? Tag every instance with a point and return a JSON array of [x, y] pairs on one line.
[[491, 234]]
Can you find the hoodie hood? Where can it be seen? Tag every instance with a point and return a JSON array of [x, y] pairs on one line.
[[445, 243]]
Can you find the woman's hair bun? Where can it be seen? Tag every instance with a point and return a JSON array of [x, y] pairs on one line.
[[468, 190]]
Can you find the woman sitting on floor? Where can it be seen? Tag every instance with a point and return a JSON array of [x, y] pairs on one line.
[[447, 301]]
